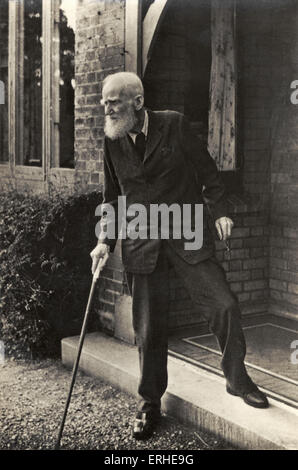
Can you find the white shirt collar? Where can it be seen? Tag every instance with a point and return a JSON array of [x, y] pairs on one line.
[[144, 129]]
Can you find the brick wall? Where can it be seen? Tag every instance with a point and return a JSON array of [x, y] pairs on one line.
[[254, 51], [284, 166], [268, 64], [99, 52]]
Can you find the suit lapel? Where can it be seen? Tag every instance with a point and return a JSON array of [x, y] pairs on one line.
[[128, 149]]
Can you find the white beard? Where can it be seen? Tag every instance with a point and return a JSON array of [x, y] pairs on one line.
[[114, 129]]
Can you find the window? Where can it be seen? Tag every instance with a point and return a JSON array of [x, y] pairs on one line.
[[31, 153], [41, 47], [64, 82], [4, 81]]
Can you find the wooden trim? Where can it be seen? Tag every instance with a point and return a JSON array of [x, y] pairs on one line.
[[55, 85], [133, 36], [238, 159], [20, 83], [46, 87], [151, 24], [14, 80], [222, 120], [11, 83]]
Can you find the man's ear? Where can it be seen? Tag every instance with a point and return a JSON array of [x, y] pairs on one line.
[[138, 102]]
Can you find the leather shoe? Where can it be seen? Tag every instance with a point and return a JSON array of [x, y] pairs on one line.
[[255, 398], [145, 424]]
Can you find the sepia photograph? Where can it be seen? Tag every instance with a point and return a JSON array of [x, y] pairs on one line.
[[149, 228]]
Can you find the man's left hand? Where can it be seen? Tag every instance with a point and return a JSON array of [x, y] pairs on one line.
[[224, 227]]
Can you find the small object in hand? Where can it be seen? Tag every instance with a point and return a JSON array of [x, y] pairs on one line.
[[227, 245]]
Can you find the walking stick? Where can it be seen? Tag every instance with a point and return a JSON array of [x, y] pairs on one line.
[[100, 265]]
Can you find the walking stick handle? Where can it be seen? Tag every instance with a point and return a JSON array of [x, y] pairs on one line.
[[100, 266]]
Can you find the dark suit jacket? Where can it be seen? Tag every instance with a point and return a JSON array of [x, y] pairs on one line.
[[176, 169]]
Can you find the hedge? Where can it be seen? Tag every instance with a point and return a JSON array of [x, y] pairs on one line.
[[44, 269]]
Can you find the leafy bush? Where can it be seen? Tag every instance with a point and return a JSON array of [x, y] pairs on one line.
[[44, 268]]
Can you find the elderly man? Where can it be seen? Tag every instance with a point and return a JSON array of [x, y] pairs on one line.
[[152, 157]]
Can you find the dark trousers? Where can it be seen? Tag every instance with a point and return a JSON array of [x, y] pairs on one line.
[[207, 286]]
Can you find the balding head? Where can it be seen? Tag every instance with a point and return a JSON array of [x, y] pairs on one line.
[[123, 100], [126, 83]]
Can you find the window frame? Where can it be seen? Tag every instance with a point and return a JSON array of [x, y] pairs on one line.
[[3, 97], [49, 169]]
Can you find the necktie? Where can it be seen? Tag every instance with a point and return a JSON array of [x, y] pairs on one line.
[[140, 144]]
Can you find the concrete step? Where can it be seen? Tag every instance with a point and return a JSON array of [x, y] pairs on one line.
[[193, 396]]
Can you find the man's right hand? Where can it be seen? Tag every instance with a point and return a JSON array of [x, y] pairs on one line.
[[98, 253]]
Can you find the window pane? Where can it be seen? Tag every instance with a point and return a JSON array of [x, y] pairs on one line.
[[4, 81], [67, 77], [32, 150]]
